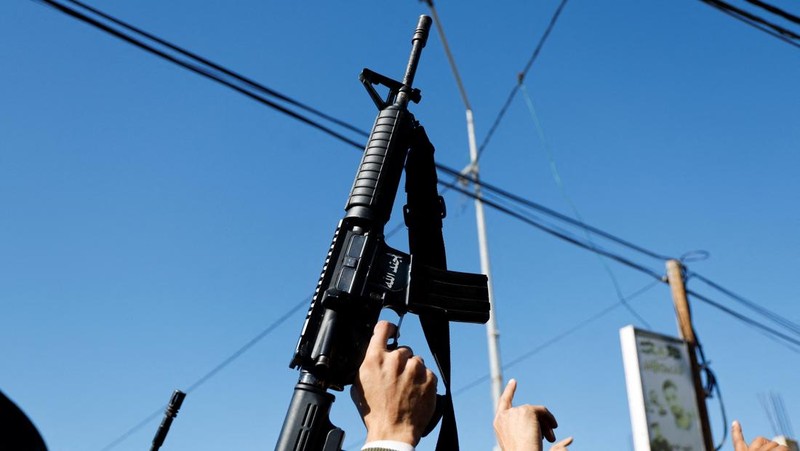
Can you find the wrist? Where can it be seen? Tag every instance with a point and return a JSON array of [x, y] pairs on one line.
[[395, 432], [387, 445]]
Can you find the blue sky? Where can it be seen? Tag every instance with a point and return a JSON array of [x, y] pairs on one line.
[[153, 222]]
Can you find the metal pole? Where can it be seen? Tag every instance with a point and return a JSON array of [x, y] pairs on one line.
[[492, 336]]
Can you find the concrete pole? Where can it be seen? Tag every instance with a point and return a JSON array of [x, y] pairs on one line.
[[492, 336]]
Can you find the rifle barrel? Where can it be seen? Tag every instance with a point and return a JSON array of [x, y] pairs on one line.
[[418, 42]]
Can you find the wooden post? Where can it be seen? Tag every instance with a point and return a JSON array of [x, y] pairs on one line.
[[675, 277]]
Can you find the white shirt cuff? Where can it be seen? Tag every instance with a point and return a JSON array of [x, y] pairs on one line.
[[389, 444]]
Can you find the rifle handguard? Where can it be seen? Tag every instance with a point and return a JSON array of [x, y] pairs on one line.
[[375, 185]]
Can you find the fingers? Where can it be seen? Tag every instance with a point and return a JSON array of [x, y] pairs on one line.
[[504, 402], [739, 443], [562, 445], [758, 442], [380, 336], [428, 380], [431, 378], [545, 416], [400, 357], [547, 422], [405, 352], [762, 444], [417, 369]]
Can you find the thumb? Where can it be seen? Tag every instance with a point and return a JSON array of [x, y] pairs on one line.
[[504, 402]]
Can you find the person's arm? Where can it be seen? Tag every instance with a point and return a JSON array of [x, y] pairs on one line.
[[758, 444], [521, 428], [394, 393]]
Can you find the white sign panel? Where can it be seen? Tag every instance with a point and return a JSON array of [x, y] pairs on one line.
[[661, 394]]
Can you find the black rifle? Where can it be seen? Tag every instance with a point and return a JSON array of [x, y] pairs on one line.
[[362, 274]]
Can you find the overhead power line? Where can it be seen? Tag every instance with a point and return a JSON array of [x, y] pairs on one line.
[[207, 72], [755, 21], [493, 354], [243, 89], [196, 57], [551, 213], [560, 184], [747, 320], [521, 76], [559, 234], [788, 324], [487, 187], [555, 339], [225, 362], [213, 372], [786, 339], [775, 10], [542, 346]]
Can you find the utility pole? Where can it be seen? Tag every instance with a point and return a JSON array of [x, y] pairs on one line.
[[471, 173], [684, 317], [492, 336]]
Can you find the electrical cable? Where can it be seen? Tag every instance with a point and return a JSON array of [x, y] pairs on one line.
[[549, 342], [753, 18], [354, 144], [768, 411], [194, 68], [787, 427], [559, 234], [245, 347], [789, 340], [546, 344], [521, 76], [220, 68], [538, 49], [711, 383], [783, 321], [227, 361], [560, 184], [135, 428], [206, 73], [217, 67], [500, 115], [443, 168], [710, 387], [213, 372], [755, 21], [548, 211], [267, 102], [775, 10]]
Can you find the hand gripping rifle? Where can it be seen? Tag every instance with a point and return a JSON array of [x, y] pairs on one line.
[[362, 274]]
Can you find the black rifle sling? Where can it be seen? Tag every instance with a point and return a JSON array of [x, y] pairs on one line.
[[423, 216]]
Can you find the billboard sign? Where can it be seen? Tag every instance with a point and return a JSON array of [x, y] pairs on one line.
[[661, 393]]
